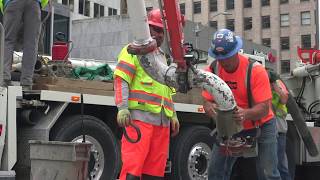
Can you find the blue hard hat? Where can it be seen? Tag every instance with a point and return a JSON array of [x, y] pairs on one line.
[[224, 44]]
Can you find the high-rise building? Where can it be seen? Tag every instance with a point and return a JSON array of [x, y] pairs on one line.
[[82, 9], [282, 25]]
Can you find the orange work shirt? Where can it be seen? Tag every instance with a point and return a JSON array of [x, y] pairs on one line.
[[260, 88]]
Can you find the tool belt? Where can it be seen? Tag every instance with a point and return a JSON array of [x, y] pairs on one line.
[[242, 144]]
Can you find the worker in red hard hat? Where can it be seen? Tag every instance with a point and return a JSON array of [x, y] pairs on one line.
[[148, 104]]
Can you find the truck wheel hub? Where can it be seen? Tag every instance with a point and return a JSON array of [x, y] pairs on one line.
[[198, 161]]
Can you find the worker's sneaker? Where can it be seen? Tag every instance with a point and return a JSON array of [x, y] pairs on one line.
[[26, 87]]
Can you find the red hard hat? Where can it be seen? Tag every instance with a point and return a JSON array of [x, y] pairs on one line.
[[154, 18]]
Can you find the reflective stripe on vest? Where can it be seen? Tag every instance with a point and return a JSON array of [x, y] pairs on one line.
[[127, 68], [141, 96]]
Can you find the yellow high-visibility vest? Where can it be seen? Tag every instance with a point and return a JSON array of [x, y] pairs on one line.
[[145, 93]]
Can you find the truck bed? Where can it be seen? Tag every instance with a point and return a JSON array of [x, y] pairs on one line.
[[101, 88]]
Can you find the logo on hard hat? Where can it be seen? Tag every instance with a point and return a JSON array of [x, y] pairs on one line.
[[219, 49]]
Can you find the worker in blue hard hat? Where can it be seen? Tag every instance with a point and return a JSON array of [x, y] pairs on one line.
[[250, 85]]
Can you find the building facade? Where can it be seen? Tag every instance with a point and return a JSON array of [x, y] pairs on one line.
[[282, 25], [83, 9]]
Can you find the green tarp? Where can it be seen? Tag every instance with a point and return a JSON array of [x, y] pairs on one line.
[[99, 73]]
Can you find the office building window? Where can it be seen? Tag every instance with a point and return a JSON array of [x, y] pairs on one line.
[[304, 0], [112, 11], [229, 4], [65, 2], [149, 9], [101, 11], [285, 66], [284, 1], [197, 7], [306, 41], [183, 8], [265, 2], [214, 24], [284, 43], [98, 10], [284, 20], [305, 18], [247, 23], [265, 22], [230, 24], [81, 6], [247, 3], [71, 5], [266, 42], [213, 5], [87, 8]]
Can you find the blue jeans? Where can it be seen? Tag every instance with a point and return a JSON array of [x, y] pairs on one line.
[[282, 157], [220, 166]]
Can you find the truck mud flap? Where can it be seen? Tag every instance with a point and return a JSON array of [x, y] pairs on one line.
[[301, 126]]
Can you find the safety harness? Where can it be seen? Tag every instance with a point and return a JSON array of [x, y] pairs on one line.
[[243, 143]]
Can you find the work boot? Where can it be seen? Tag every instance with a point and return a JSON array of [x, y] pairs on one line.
[[132, 177], [149, 177]]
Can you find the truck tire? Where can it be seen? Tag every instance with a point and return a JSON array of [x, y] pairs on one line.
[[190, 153], [105, 157]]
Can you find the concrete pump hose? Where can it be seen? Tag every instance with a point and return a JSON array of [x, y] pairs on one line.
[[301, 126], [137, 129]]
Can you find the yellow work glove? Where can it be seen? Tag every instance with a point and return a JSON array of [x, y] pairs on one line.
[[175, 125], [123, 117]]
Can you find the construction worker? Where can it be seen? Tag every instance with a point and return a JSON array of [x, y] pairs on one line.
[[21, 15], [148, 104], [279, 101], [232, 68]]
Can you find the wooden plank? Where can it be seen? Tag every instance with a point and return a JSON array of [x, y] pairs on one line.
[[75, 83], [73, 89]]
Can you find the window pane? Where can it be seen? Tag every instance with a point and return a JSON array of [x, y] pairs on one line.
[[247, 23], [213, 5], [230, 4], [265, 22], [266, 42], [71, 5], [306, 41], [285, 43], [197, 7], [101, 11], [284, 20], [265, 2], [96, 10], [87, 8], [65, 2], [81, 3], [214, 24], [305, 18], [149, 9], [285, 66], [284, 1], [183, 8], [230, 24], [247, 3]]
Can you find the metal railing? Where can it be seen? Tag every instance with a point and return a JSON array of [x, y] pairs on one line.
[[1, 53]]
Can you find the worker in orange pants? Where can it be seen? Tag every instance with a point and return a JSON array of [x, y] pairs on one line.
[[148, 104]]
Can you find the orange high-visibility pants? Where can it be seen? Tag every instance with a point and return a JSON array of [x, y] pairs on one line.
[[149, 155]]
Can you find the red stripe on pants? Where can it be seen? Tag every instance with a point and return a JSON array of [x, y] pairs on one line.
[[149, 155]]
